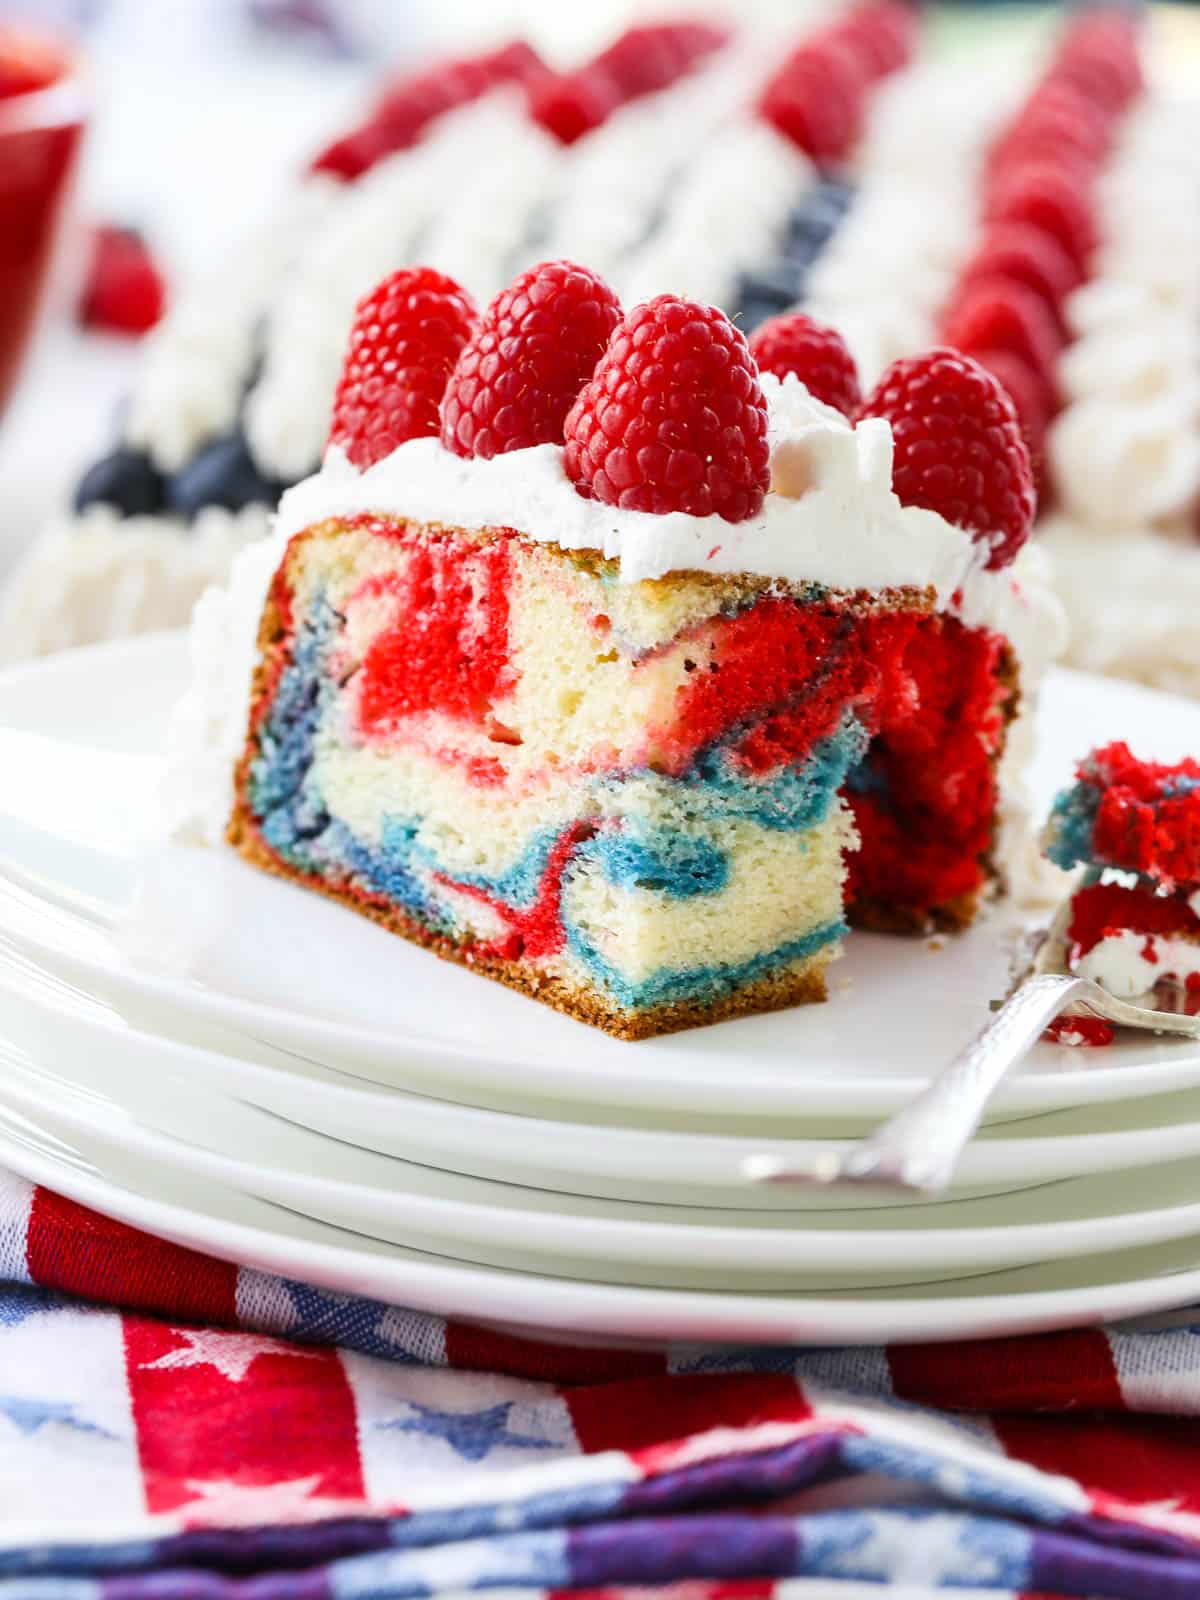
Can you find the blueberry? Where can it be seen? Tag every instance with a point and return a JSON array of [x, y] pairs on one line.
[[127, 480], [751, 313], [221, 474], [775, 285], [839, 196]]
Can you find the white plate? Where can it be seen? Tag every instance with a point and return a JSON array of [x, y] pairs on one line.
[[535, 1229], [593, 1159], [78, 737], [236, 1227]]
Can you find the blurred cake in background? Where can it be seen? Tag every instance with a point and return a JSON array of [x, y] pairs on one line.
[[637, 161], [1037, 211]]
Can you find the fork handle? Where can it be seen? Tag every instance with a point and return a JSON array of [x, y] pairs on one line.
[[919, 1147]]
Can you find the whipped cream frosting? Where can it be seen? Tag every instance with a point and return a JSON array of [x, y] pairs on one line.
[[616, 183], [718, 224], [102, 576], [1125, 450], [380, 226], [1129, 964], [832, 519], [195, 363], [884, 275]]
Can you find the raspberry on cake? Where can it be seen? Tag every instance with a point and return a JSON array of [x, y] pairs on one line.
[[1135, 826], [636, 719]]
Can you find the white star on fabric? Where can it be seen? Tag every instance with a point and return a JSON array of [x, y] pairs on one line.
[[232, 1354], [292, 1500]]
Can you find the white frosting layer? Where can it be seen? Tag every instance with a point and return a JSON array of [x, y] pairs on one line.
[[618, 179], [101, 576], [836, 522], [195, 363], [1132, 596], [726, 215], [382, 224], [1129, 964], [887, 270], [1126, 448]]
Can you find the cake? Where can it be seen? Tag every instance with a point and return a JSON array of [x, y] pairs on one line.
[[634, 161], [618, 668], [1134, 826]]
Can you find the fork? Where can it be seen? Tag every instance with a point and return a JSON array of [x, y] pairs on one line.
[[918, 1148]]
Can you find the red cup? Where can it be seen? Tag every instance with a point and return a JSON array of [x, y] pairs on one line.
[[42, 116]]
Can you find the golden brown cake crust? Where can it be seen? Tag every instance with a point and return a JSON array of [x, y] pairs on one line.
[[791, 986]]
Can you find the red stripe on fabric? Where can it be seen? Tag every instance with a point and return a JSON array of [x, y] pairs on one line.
[[485, 1350], [1052, 1372], [222, 1415], [1140, 1459], [83, 1253], [642, 1417]]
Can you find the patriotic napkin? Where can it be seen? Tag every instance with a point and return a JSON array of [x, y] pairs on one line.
[[172, 1426]]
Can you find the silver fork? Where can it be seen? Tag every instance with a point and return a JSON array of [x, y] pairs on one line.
[[918, 1148]]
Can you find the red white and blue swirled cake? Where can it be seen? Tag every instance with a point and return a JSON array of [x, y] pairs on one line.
[[621, 672]]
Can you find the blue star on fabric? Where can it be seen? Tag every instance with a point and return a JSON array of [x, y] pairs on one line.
[[472, 1434], [20, 1301], [325, 1318], [29, 1415]]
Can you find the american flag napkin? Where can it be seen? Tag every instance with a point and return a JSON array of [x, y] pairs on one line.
[[173, 1426]]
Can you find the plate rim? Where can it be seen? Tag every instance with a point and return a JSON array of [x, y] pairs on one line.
[[556, 1308]]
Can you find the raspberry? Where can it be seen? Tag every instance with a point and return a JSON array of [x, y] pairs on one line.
[[28, 62], [1021, 253], [538, 343], [995, 314], [1031, 398], [1043, 195], [816, 354], [816, 101], [959, 449], [570, 104], [650, 56], [354, 153], [124, 291], [406, 337], [883, 35], [674, 418]]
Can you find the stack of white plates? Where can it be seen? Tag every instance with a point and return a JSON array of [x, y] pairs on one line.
[[200, 1050]]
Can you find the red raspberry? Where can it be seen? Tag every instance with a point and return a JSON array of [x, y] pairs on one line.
[[1024, 254], [650, 56], [570, 104], [674, 419], [884, 35], [354, 153], [27, 62], [995, 314], [1045, 196], [1099, 55], [538, 343], [816, 101], [959, 449], [124, 291], [1028, 393], [816, 354], [406, 337]]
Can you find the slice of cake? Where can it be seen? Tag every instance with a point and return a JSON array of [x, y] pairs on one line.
[[1135, 826], [624, 674]]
